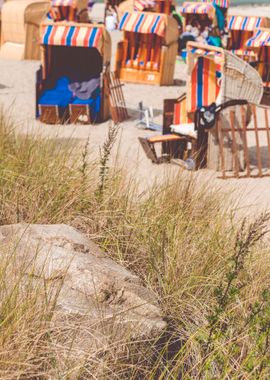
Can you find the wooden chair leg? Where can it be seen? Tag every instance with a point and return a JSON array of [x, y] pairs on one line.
[[149, 149]]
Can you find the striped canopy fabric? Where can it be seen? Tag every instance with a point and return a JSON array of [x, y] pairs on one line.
[[143, 23], [63, 35], [219, 3], [140, 5], [180, 115], [248, 23], [198, 8], [204, 84], [259, 39]]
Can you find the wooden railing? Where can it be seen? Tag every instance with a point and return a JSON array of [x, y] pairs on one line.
[[247, 136]]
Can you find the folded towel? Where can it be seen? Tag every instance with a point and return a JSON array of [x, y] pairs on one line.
[[185, 129], [84, 90]]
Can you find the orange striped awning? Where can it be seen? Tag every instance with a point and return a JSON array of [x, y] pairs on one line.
[[260, 38], [71, 35], [147, 23], [198, 8], [248, 23]]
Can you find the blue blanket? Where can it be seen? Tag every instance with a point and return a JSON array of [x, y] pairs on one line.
[[61, 96]]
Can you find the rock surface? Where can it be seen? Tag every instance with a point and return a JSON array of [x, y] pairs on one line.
[[99, 299]]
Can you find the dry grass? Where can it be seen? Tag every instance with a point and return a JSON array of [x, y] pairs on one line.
[[209, 271]]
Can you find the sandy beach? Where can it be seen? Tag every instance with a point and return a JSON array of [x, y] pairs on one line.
[[17, 97]]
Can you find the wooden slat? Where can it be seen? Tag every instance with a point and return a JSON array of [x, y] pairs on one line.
[[245, 130], [258, 151], [165, 138], [234, 144], [116, 97], [221, 148], [240, 130], [267, 128], [245, 144]]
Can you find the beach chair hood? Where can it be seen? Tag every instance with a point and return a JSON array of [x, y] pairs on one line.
[[146, 22], [77, 35], [260, 38], [198, 9], [247, 23]]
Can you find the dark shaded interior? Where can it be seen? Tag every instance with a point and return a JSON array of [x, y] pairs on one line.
[[79, 64]]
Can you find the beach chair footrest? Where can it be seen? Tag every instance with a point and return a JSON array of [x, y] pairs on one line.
[[52, 114], [80, 113]]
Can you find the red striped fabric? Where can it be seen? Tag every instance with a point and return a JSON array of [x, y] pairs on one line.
[[180, 115], [71, 35], [147, 23]]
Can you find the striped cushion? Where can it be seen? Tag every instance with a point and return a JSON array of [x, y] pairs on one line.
[[204, 86], [180, 115]]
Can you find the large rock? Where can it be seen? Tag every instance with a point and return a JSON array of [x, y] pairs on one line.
[[99, 299]]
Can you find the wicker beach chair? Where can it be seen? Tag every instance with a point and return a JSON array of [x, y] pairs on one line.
[[215, 76]]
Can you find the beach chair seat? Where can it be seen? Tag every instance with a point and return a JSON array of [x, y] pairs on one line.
[[85, 111], [176, 146], [53, 103]]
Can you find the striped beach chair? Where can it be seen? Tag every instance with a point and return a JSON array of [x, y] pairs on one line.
[[241, 29], [210, 89], [72, 53]]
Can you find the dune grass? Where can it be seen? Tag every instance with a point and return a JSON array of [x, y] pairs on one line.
[[209, 270]]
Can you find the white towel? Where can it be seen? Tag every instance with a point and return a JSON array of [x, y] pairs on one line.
[[185, 129]]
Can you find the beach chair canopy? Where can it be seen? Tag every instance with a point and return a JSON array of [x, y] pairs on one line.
[[198, 9], [77, 35], [260, 38], [150, 23], [247, 23], [140, 5], [219, 3], [216, 75]]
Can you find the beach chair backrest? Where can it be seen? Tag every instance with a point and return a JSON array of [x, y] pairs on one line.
[[264, 64], [239, 38], [180, 115], [204, 86]]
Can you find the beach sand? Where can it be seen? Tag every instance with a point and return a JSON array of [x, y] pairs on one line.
[[17, 96]]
